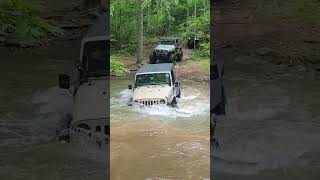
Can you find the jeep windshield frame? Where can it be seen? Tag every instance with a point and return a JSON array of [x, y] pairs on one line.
[[167, 42], [95, 54], [152, 78]]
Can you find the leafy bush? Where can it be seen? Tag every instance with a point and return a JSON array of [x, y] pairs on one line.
[[199, 25], [202, 55], [117, 68], [205, 49], [21, 19]]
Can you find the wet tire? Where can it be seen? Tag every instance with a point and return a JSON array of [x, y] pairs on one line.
[[172, 59], [180, 56], [152, 59], [174, 102], [63, 125]]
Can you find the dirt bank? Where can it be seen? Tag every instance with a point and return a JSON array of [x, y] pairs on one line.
[[240, 26], [72, 17]]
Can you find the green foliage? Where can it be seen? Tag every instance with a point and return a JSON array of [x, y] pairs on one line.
[[161, 18], [201, 60], [205, 49], [123, 25], [117, 68], [158, 17], [202, 56], [21, 19], [200, 26], [205, 64]]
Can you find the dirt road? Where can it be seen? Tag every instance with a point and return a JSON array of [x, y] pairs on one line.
[[186, 69]]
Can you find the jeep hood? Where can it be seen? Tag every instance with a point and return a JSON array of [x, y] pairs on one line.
[[152, 92], [165, 47], [91, 100]]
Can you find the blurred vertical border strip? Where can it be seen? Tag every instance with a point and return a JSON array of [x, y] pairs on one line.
[[106, 7], [217, 91]]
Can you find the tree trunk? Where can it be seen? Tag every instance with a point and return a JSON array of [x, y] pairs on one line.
[[140, 33]]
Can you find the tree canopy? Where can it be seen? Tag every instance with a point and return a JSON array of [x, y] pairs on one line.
[[161, 18]]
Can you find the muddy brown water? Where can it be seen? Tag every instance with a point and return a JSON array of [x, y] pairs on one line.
[[31, 104], [146, 143], [271, 131], [160, 142], [272, 125]]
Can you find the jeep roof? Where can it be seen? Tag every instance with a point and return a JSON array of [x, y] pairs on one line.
[[169, 38], [155, 68]]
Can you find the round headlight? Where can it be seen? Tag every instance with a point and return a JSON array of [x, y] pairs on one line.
[[162, 101]]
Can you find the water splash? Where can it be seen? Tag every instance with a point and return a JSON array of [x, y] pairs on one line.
[[193, 103]]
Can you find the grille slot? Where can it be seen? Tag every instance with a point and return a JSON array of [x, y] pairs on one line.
[[162, 52], [149, 102]]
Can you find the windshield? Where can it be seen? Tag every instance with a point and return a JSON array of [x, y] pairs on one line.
[[95, 58], [153, 79], [167, 42]]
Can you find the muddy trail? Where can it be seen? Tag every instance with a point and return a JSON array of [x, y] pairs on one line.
[[273, 123], [187, 69]]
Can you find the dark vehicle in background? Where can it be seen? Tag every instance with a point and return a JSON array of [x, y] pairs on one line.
[[168, 50], [194, 41]]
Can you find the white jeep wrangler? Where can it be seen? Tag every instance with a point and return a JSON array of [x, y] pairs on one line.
[[155, 84], [89, 87]]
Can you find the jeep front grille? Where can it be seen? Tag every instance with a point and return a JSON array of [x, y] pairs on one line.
[[149, 102], [162, 52]]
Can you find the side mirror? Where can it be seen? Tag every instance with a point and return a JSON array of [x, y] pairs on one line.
[[64, 81], [130, 86]]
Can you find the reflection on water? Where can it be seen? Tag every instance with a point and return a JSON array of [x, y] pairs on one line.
[[160, 142]]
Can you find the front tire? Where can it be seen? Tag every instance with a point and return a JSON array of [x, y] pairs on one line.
[[174, 102], [153, 59], [180, 56], [172, 58]]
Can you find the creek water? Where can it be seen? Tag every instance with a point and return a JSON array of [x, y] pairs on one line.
[[160, 142], [271, 130], [31, 105]]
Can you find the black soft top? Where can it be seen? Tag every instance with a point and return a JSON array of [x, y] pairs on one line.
[[169, 38], [163, 67], [100, 27]]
